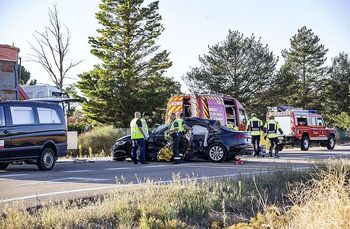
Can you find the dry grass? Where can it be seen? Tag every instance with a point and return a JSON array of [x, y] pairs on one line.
[[180, 204], [322, 202], [287, 199]]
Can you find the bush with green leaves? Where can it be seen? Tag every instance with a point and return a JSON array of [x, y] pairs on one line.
[[100, 139]]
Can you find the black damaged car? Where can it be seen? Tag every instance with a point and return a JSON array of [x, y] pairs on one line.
[[209, 141]]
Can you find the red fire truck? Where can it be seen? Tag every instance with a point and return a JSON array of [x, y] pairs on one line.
[[302, 127], [223, 108]]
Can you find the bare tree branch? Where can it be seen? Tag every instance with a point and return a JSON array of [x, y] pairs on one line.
[[51, 49]]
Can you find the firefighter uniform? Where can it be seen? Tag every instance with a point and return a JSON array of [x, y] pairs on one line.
[[255, 126], [271, 128], [178, 141], [138, 142]]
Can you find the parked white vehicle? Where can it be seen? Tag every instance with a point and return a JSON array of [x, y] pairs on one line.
[[42, 91]]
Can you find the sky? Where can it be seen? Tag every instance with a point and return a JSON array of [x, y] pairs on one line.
[[190, 26]]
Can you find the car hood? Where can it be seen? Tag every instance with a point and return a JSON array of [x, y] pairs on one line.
[[125, 138]]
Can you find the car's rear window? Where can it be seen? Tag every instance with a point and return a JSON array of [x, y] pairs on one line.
[[2, 117], [48, 116], [22, 115]]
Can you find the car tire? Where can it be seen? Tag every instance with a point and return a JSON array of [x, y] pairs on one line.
[[4, 165], [47, 159], [305, 143], [331, 142], [216, 153], [280, 148]]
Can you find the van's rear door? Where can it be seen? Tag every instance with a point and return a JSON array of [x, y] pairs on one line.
[[5, 139], [285, 123]]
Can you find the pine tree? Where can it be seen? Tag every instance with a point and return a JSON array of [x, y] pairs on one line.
[[336, 98], [303, 70], [239, 66], [130, 77]]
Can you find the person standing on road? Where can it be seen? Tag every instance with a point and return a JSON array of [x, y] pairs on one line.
[[138, 139], [144, 119], [255, 126], [270, 130], [177, 130]]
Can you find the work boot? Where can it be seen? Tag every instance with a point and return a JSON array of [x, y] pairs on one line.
[[276, 155], [270, 153]]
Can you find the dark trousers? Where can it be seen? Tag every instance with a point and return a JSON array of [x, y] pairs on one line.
[[256, 144], [178, 145], [138, 144], [273, 145]]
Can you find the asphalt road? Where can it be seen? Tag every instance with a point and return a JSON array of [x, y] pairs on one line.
[[69, 180]]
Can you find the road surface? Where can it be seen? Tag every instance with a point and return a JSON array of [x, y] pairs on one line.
[[69, 180]]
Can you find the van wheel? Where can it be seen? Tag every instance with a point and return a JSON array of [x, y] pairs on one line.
[[47, 159], [4, 165], [305, 143], [331, 142], [216, 153]]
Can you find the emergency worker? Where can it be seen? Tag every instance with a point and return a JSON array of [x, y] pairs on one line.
[[270, 130], [232, 126], [138, 139], [177, 130], [144, 119], [255, 126]]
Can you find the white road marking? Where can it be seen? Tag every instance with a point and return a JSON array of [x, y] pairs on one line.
[[133, 185], [111, 169], [14, 175], [86, 179], [77, 171]]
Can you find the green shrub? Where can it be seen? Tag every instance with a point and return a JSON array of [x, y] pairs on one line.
[[100, 139], [80, 127]]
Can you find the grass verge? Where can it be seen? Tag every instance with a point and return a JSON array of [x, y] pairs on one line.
[[281, 199]]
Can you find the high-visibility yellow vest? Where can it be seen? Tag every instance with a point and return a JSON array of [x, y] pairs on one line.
[[145, 127], [255, 126], [180, 125], [232, 127], [271, 128], [135, 131]]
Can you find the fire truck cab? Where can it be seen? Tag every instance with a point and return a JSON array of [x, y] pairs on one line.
[[222, 108], [303, 127]]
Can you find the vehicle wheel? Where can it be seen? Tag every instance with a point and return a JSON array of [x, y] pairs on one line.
[[331, 142], [46, 161], [4, 165], [216, 153], [305, 143], [280, 148]]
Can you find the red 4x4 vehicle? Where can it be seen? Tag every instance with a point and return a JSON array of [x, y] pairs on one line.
[[302, 127]]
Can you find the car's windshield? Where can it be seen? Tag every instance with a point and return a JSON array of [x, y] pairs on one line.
[[160, 128]]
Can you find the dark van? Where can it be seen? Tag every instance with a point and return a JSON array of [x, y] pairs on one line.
[[32, 132]]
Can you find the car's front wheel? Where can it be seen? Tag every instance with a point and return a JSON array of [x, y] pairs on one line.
[[4, 165], [216, 153], [331, 142], [47, 159]]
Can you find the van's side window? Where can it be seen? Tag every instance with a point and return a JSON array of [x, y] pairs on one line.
[[2, 117], [22, 115], [47, 116]]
